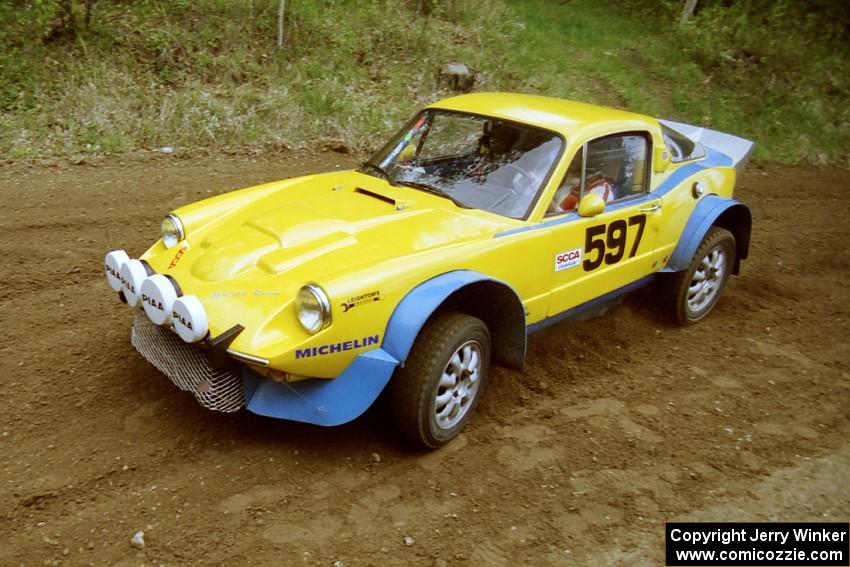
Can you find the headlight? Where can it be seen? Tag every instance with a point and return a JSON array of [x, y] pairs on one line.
[[172, 231], [313, 308]]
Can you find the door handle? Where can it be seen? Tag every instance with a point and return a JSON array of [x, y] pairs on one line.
[[651, 208]]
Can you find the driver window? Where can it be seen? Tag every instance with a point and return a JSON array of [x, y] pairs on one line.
[[615, 170]]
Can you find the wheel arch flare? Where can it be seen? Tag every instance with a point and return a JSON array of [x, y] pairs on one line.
[[470, 292], [713, 210]]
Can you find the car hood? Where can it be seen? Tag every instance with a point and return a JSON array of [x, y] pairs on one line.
[[314, 227]]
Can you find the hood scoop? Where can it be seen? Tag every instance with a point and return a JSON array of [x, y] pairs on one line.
[[378, 196]]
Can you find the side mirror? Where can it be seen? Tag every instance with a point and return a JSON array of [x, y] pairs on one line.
[[661, 160], [591, 205]]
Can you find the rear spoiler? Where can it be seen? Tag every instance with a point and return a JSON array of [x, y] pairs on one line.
[[739, 149]]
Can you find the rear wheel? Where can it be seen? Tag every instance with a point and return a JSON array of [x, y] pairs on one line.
[[434, 394], [690, 295]]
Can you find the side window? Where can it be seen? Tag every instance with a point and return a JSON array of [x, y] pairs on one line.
[[681, 147], [566, 197], [615, 170]]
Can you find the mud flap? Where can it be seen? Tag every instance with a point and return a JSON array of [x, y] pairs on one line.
[[319, 401]]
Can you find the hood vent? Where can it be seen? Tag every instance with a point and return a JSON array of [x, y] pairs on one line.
[[378, 196]]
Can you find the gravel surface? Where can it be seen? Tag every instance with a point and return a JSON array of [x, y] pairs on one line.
[[617, 425]]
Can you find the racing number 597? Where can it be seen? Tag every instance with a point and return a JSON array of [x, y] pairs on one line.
[[609, 241]]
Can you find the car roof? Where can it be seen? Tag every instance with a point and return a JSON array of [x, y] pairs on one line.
[[567, 117]]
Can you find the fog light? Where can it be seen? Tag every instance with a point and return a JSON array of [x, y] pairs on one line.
[[112, 265], [132, 273], [158, 297], [189, 319]]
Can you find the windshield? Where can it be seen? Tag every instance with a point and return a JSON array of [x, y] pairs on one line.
[[477, 162]]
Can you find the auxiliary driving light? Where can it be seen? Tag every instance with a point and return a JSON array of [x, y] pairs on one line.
[[189, 318], [112, 265], [158, 297], [133, 273]]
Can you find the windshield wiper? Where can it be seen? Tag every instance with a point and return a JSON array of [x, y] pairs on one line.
[[428, 188], [381, 171]]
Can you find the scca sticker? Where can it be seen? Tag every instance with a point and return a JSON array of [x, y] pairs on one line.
[[568, 259]]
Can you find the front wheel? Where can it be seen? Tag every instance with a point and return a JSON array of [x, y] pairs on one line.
[[434, 394], [690, 295]]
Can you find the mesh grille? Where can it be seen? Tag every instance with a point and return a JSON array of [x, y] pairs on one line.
[[187, 366]]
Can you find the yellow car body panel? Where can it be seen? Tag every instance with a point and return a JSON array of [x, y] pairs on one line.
[[249, 251], [368, 243], [246, 264]]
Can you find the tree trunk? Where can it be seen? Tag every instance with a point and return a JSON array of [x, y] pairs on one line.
[[66, 14], [281, 10], [89, 4], [65, 24], [688, 11]]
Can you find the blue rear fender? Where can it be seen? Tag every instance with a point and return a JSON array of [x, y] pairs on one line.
[[713, 210]]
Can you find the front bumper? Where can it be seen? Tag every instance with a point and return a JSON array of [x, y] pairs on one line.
[[187, 365], [317, 401]]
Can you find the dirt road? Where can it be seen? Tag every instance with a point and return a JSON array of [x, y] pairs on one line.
[[617, 425]]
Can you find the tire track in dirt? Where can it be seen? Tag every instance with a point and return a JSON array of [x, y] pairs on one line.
[[617, 425]]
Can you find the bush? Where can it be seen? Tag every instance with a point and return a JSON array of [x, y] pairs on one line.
[[206, 74]]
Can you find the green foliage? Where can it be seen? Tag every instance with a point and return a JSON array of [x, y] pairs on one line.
[[771, 70], [783, 64], [205, 74]]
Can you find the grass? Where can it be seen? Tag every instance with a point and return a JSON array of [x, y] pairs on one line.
[[790, 96], [206, 75]]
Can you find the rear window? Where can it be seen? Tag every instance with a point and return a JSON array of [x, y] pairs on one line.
[[681, 147]]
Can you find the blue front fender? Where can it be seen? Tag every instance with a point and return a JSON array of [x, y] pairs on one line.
[[413, 311], [346, 397]]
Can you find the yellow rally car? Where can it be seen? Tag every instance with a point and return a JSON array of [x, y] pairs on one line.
[[486, 218]]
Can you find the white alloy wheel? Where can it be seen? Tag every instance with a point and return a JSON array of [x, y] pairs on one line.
[[707, 279], [435, 393], [458, 386]]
